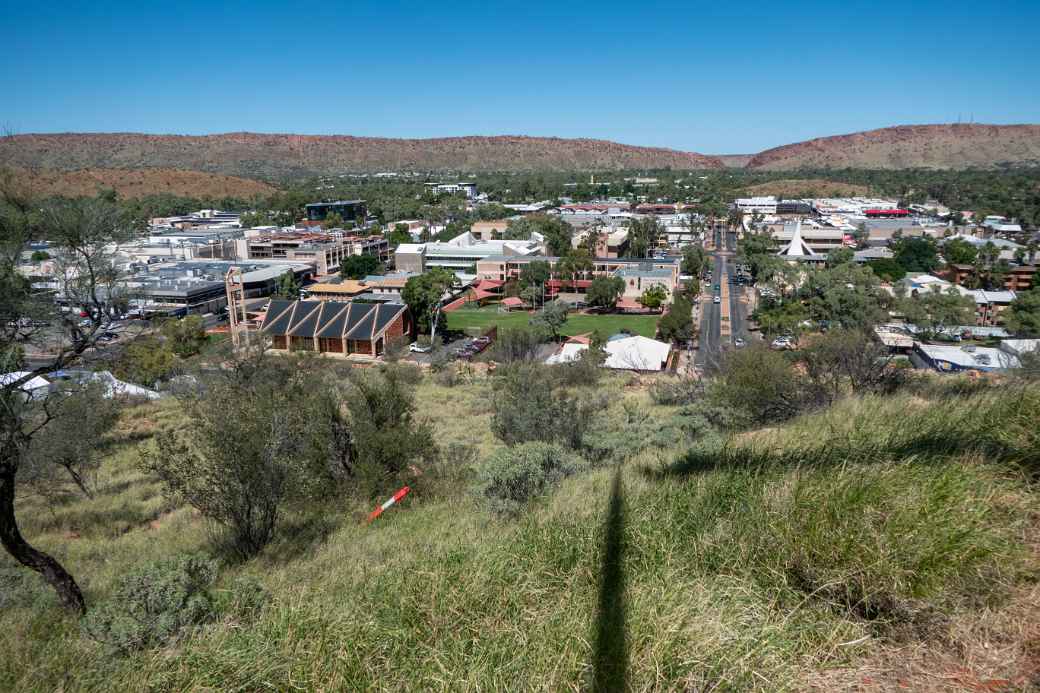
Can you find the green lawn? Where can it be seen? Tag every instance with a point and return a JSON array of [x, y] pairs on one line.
[[463, 318]]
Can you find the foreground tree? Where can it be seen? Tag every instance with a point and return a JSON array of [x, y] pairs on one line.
[[844, 360], [263, 435], [82, 233], [185, 336], [68, 451]]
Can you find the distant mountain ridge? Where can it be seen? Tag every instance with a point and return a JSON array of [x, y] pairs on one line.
[[953, 146], [276, 156]]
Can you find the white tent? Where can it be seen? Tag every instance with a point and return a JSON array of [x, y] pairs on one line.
[[637, 353]]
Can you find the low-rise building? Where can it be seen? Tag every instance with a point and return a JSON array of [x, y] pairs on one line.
[[336, 329], [348, 210], [460, 254], [195, 287], [468, 188], [968, 357], [756, 205]]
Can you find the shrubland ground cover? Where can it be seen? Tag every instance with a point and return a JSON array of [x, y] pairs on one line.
[[879, 540]]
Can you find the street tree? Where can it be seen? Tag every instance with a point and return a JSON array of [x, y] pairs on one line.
[[604, 292], [936, 310], [1023, 316], [958, 251], [552, 317], [677, 324], [643, 234], [359, 266], [653, 297], [916, 253], [423, 296]]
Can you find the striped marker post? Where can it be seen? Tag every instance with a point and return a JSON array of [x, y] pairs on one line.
[[396, 497]]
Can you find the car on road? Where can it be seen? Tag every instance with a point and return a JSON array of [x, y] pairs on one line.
[[717, 299]]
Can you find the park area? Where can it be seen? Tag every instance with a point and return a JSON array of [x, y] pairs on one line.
[[577, 323]]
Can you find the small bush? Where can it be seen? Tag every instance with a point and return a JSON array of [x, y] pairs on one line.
[[447, 377], [153, 604], [673, 391], [518, 344], [20, 587], [582, 372], [407, 373], [530, 404], [760, 386], [513, 476], [244, 598]]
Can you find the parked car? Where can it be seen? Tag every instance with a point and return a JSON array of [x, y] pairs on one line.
[[717, 299], [739, 342], [783, 342], [417, 348]]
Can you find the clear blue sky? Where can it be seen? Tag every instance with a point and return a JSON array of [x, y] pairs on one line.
[[719, 77]]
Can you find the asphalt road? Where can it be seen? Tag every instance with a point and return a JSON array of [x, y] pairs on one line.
[[710, 345]]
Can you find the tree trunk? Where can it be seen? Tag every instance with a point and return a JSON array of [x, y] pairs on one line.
[[16, 545]]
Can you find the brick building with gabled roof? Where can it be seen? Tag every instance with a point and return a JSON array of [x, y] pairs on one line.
[[330, 327]]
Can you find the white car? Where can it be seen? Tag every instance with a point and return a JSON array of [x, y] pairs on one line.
[[717, 299], [783, 343], [417, 348]]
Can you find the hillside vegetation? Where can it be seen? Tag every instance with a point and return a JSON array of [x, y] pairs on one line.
[[883, 542], [958, 146], [141, 182], [278, 156]]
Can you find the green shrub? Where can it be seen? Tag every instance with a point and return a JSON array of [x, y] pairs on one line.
[[678, 390], [513, 476], [153, 604], [244, 598], [20, 587], [517, 344], [529, 406]]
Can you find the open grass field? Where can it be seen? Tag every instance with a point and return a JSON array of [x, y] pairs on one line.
[[885, 544], [645, 325]]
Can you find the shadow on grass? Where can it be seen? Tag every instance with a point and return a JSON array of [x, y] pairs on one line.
[[926, 441], [610, 666]]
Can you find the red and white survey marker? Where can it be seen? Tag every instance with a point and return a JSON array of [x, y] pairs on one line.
[[396, 497]]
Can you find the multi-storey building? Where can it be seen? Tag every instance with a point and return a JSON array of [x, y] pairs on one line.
[[326, 251]]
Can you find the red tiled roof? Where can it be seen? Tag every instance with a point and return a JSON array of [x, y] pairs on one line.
[[513, 301]]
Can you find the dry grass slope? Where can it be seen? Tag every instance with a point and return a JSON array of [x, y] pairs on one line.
[[884, 569], [141, 182]]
